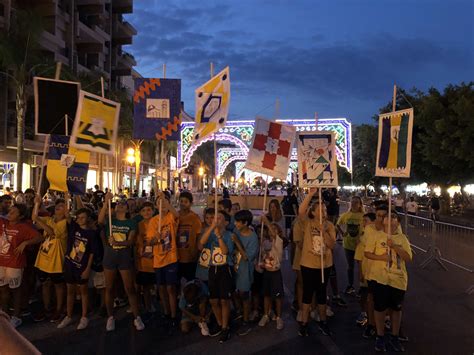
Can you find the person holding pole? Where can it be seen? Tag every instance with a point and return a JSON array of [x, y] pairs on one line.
[[316, 260], [388, 251], [161, 235], [118, 255]]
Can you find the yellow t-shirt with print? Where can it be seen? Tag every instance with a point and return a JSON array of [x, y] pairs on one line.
[[353, 228], [393, 272], [359, 256], [313, 245], [50, 257]]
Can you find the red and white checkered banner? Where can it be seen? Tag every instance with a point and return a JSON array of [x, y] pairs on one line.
[[270, 152]]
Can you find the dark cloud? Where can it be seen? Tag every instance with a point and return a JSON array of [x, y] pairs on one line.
[[306, 69]]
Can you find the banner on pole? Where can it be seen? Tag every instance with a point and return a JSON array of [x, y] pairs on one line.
[[212, 105], [394, 144], [270, 151], [67, 166], [54, 99], [96, 124], [317, 164], [156, 109]]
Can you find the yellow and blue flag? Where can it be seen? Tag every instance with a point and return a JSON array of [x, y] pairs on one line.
[[96, 124], [67, 166], [212, 105], [394, 144]]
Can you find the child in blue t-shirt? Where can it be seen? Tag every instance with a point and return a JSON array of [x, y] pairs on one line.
[[221, 285], [202, 269], [246, 242]]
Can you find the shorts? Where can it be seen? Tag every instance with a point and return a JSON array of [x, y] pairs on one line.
[[167, 275], [312, 283], [72, 275], [257, 284], [386, 296], [187, 270], [273, 284], [56, 278], [120, 259], [11, 277], [145, 278], [221, 284]]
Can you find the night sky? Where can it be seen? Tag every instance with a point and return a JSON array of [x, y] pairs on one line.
[[339, 58]]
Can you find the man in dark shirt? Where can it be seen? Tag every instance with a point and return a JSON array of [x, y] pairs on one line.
[[97, 196]]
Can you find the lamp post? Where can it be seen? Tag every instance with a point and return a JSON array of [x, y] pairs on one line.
[[201, 174], [130, 158]]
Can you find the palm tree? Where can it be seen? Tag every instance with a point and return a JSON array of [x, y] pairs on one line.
[[18, 60]]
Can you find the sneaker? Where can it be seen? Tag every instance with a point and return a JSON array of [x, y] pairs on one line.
[[402, 336], [129, 310], [39, 317], [56, 317], [395, 344], [138, 323], [272, 316], [380, 345], [25, 313], [253, 316], [350, 291], [65, 322], [299, 316], [280, 323], [244, 329], [215, 331], [329, 312], [225, 335], [237, 316], [314, 315], [15, 322], [362, 318], [83, 323], [264, 321], [110, 324], [324, 328], [338, 300], [204, 329], [369, 332], [303, 330]]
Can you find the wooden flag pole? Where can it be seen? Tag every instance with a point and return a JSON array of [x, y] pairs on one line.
[[215, 159], [263, 214], [160, 206], [321, 232]]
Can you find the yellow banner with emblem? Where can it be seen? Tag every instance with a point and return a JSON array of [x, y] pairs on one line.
[[96, 124]]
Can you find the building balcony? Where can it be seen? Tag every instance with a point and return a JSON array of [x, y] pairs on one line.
[[123, 32], [122, 6], [88, 35], [90, 2], [126, 59]]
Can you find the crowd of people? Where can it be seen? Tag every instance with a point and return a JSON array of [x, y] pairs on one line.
[[210, 272]]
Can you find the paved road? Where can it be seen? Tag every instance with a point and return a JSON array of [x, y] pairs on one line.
[[438, 319]]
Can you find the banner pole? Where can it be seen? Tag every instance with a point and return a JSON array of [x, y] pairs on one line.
[[321, 232], [43, 160], [66, 124], [394, 104], [263, 214], [160, 208]]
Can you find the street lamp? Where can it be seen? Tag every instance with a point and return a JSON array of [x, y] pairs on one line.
[[130, 158]]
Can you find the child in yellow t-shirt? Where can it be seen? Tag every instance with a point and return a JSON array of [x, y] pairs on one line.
[[389, 255], [367, 313]]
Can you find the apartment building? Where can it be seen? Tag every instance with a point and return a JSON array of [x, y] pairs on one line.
[[85, 35]]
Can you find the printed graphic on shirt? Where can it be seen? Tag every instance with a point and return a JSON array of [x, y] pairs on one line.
[[147, 252], [183, 238], [166, 238], [270, 260], [5, 243], [46, 246], [352, 229], [78, 250], [218, 257], [205, 257], [394, 263], [317, 245]]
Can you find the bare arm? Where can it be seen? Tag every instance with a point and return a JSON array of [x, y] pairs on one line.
[[239, 246], [104, 209], [12, 341], [372, 256], [221, 242], [305, 204], [206, 235]]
